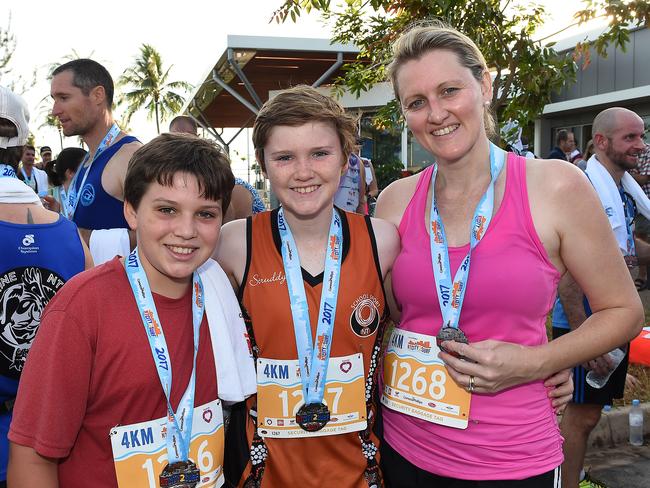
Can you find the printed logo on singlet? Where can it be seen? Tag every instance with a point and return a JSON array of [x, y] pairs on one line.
[[277, 277], [24, 292], [365, 318], [87, 195], [28, 244]]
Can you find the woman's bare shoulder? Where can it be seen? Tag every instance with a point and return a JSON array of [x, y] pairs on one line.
[[393, 200]]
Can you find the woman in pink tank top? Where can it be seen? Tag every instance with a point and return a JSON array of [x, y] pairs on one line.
[[486, 237]]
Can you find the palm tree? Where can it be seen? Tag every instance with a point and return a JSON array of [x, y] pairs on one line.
[[150, 89]]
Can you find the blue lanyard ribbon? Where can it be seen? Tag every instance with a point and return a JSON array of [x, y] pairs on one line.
[[451, 295], [29, 180], [66, 211], [313, 357], [179, 423], [7, 171], [74, 189], [629, 211]]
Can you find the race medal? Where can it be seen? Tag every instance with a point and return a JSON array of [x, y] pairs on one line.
[[280, 398], [450, 334], [313, 417], [182, 474], [416, 381]]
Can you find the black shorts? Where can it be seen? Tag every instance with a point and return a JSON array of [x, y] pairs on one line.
[[583, 393], [400, 473]]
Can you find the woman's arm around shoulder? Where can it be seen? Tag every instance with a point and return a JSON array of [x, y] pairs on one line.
[[388, 244], [231, 251]]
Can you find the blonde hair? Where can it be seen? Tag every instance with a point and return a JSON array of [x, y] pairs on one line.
[[421, 39], [298, 106]]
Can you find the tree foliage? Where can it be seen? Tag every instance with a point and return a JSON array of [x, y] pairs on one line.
[[7, 48], [146, 86], [528, 70]]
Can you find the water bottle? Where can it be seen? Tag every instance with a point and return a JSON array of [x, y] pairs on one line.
[[598, 381], [636, 424]]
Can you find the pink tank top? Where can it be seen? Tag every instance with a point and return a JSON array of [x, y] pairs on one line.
[[511, 288]]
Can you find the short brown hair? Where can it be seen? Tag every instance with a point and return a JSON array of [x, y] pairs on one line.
[[300, 105], [169, 154], [423, 38]]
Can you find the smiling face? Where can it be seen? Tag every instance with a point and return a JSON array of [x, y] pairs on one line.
[[624, 144], [444, 104], [304, 165], [77, 112], [177, 230]]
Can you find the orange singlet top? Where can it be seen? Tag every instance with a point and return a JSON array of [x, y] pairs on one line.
[[347, 460]]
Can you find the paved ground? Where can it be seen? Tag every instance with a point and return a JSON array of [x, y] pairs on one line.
[[623, 466]]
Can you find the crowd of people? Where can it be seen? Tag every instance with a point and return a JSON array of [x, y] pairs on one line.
[[312, 344]]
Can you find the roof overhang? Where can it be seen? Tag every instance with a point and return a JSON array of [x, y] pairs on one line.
[[252, 66]]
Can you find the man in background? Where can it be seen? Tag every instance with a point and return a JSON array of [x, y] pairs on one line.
[[35, 178], [83, 98], [565, 143], [46, 156], [617, 135], [184, 125]]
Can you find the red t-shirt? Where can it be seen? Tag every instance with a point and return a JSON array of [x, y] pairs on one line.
[[90, 369]]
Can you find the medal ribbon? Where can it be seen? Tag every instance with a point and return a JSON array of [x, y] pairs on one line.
[[179, 432], [29, 180], [451, 295], [74, 189], [65, 203], [313, 357], [7, 171], [629, 212]]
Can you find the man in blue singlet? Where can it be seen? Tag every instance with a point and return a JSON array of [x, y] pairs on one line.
[[83, 97], [39, 252]]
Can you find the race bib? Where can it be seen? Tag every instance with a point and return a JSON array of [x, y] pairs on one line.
[[279, 396], [416, 382], [140, 453]]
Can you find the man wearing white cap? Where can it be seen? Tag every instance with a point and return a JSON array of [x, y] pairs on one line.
[[39, 252]]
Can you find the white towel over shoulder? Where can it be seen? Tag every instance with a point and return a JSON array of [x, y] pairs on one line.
[[611, 199], [232, 354], [105, 244]]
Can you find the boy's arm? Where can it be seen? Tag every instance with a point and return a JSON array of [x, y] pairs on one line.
[[27, 468]]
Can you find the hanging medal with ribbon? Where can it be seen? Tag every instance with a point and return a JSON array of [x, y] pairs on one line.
[[313, 357], [180, 471], [452, 294]]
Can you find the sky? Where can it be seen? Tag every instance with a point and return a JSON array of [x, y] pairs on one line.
[[189, 34]]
